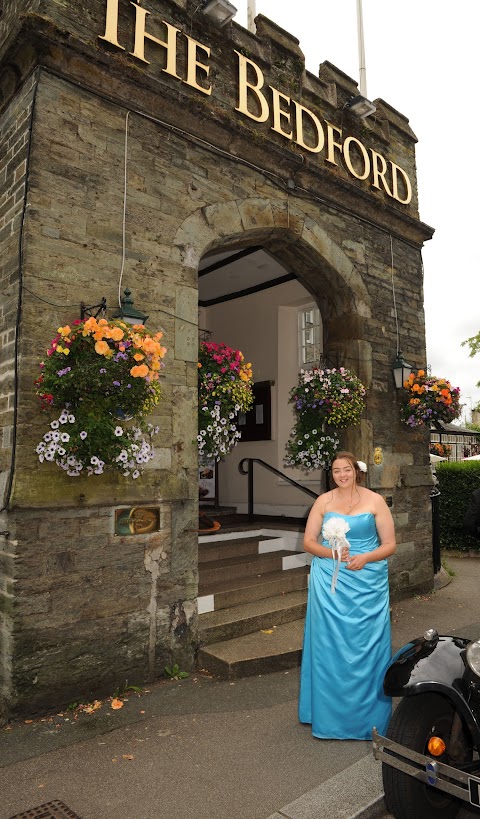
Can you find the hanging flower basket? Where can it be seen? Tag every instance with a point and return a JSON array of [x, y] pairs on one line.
[[442, 450], [98, 376], [322, 399], [224, 390], [429, 399]]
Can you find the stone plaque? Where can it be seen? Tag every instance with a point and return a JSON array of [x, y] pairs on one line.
[[139, 520]]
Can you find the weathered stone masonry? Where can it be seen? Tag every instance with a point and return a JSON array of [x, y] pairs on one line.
[[81, 610]]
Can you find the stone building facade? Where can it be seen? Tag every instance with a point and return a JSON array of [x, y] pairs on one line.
[[230, 143]]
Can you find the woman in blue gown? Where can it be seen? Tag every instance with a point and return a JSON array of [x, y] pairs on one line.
[[347, 646]]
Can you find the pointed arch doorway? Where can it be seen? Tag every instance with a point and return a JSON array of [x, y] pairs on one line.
[[259, 279], [264, 268]]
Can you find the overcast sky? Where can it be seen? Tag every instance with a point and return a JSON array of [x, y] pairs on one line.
[[421, 59]]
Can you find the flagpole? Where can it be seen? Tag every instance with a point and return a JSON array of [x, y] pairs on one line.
[[361, 51], [251, 14]]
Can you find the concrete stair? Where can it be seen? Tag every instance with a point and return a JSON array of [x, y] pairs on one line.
[[252, 599]]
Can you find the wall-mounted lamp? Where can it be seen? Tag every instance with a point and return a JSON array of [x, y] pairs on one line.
[[89, 311], [401, 370], [128, 312], [220, 12], [360, 106]]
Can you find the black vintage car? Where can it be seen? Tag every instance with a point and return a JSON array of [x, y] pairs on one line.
[[431, 754]]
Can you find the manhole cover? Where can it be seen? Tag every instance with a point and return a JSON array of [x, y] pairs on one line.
[[51, 810]]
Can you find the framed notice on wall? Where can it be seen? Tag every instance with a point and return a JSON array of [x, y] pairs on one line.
[[207, 483], [256, 424]]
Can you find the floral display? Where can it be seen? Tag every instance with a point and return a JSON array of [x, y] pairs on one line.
[[429, 399], [442, 450], [98, 376], [311, 450], [322, 398], [224, 390]]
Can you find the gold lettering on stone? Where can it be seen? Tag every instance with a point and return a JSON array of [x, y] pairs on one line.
[[331, 144], [278, 113], [406, 184], [141, 35], [379, 172], [193, 65], [245, 87], [300, 112], [289, 118], [348, 160], [111, 24]]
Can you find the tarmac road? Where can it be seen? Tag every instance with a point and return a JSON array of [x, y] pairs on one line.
[[208, 749]]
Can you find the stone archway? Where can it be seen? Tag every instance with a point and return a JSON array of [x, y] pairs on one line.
[[304, 244], [282, 228]]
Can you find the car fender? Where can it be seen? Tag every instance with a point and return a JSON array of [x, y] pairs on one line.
[[435, 666]]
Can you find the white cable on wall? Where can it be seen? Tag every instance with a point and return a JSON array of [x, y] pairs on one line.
[[124, 219]]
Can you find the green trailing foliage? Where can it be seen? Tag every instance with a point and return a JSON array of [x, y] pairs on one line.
[[456, 482]]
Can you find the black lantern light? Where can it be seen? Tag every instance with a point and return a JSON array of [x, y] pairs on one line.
[[128, 312], [401, 370]]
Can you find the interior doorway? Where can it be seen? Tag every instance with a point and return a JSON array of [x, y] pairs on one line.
[[252, 301]]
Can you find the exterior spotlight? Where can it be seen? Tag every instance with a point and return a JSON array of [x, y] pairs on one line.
[[360, 106], [128, 312], [401, 370], [219, 11]]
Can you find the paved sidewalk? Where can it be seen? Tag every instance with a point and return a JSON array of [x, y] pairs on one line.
[[210, 749]]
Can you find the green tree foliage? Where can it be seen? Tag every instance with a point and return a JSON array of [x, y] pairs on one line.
[[474, 343]]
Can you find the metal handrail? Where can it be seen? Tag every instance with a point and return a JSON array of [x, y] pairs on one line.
[[249, 472]]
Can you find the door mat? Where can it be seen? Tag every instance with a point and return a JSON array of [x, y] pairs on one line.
[[50, 810]]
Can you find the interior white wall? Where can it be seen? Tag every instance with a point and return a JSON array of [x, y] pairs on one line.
[[264, 326]]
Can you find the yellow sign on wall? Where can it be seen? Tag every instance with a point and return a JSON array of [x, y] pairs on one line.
[[139, 520]]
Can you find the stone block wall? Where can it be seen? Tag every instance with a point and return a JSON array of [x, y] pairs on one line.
[[15, 125], [83, 611], [94, 611]]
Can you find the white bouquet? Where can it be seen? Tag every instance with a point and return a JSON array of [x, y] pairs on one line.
[[334, 531]]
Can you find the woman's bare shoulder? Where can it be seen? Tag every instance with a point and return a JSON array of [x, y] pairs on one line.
[[322, 502]]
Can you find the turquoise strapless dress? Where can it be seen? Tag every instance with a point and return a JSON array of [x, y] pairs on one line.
[[347, 644]]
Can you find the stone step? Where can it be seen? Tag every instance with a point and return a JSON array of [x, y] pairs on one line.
[[217, 571], [222, 549], [229, 623], [239, 590], [255, 653]]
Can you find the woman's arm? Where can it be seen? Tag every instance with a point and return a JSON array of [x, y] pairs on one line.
[[313, 529], [386, 534]]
